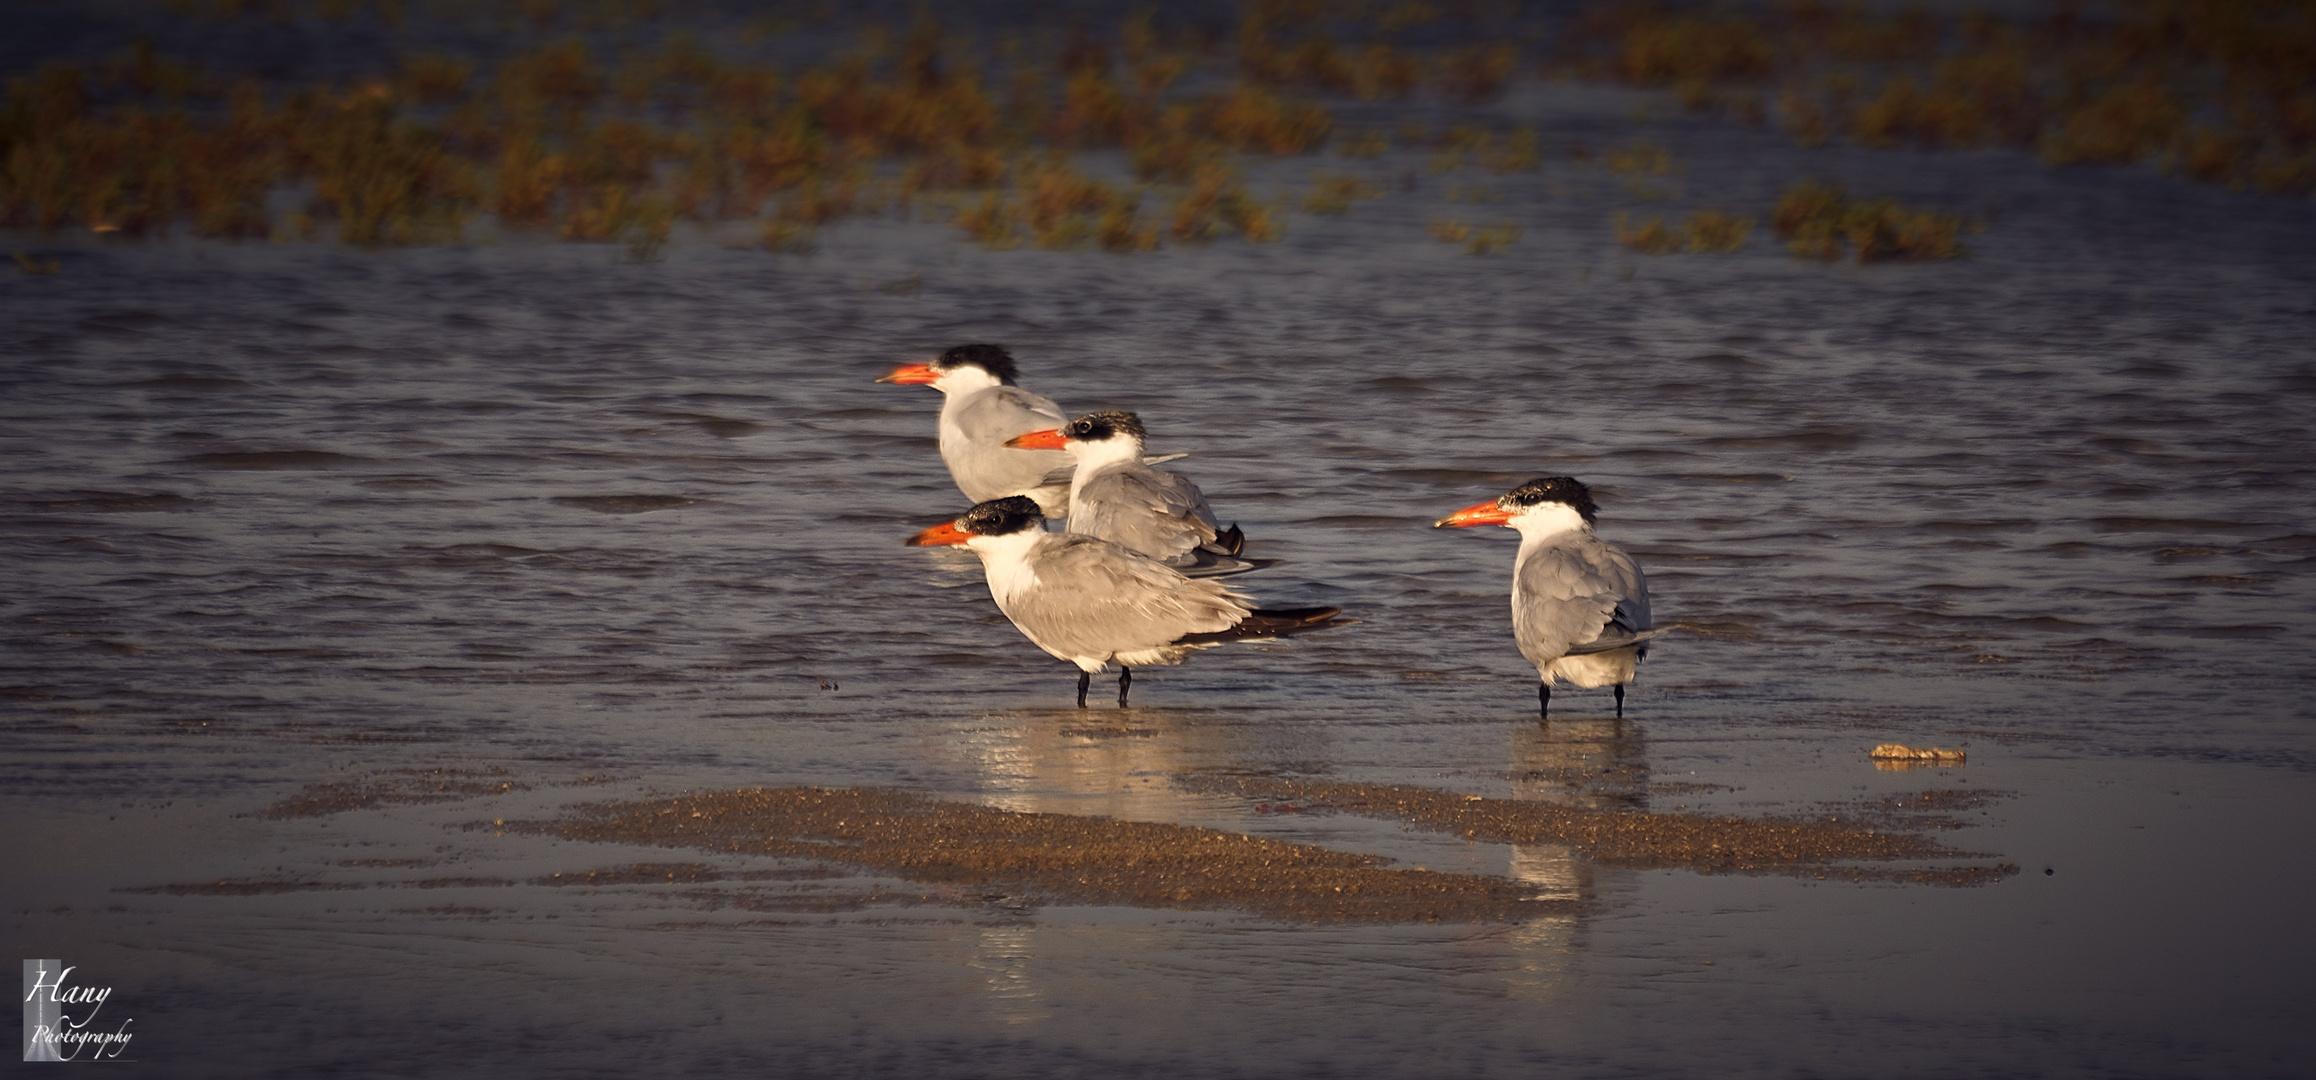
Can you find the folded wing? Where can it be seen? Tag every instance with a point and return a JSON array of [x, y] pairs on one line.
[[973, 436], [1160, 514], [1578, 596], [1093, 598]]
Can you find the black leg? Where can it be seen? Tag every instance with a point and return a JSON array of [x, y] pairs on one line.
[[1543, 702], [1125, 680], [1085, 679], [1620, 701]]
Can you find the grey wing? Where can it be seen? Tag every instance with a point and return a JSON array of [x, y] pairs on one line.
[[1093, 598], [973, 443], [1017, 411], [1571, 594], [1062, 476], [1160, 514]]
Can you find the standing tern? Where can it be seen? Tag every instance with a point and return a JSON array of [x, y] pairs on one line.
[[1093, 603], [1117, 496], [981, 408], [1580, 607]]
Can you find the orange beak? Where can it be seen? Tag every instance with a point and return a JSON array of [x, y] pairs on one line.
[[1049, 439], [1487, 513], [911, 373], [946, 532]]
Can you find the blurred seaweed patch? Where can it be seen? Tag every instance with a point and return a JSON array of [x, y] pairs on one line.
[[1366, 144], [1216, 204], [1490, 239], [1476, 239], [2216, 91], [1333, 193], [1649, 238], [611, 122], [1821, 221], [1640, 158], [556, 137], [1638, 162], [1705, 232], [1449, 231]]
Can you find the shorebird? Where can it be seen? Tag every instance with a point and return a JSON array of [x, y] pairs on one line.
[[1093, 603], [1580, 606], [1117, 496], [981, 408]]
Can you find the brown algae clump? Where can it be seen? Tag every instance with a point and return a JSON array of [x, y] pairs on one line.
[[1065, 857]]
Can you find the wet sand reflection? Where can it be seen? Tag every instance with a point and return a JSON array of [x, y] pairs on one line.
[[1116, 763]]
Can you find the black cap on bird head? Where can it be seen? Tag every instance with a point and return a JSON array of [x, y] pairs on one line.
[[1097, 426], [1003, 517], [1548, 489], [990, 358]]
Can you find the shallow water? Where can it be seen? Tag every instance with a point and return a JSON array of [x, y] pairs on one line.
[[276, 516]]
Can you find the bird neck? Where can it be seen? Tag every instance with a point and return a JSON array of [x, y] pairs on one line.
[[1005, 561], [1546, 522], [1093, 457], [964, 380]]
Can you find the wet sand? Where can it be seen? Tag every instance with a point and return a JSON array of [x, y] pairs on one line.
[[395, 786], [1704, 843], [1057, 857], [421, 911], [1073, 858]]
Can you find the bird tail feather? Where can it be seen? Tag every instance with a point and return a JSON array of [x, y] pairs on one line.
[[1275, 622], [1617, 637], [1204, 563]]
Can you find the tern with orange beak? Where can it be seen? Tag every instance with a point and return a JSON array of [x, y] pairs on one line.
[[1580, 607], [1117, 496], [981, 408], [1093, 603]]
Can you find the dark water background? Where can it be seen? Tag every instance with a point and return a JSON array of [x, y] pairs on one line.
[[279, 515]]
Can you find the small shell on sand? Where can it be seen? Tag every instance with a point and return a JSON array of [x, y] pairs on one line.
[[1895, 752]]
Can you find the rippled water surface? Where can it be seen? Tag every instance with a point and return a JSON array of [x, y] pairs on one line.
[[279, 516]]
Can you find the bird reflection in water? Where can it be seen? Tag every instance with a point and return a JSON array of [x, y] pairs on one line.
[[1585, 764], [1114, 764], [1117, 764], [1588, 764]]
